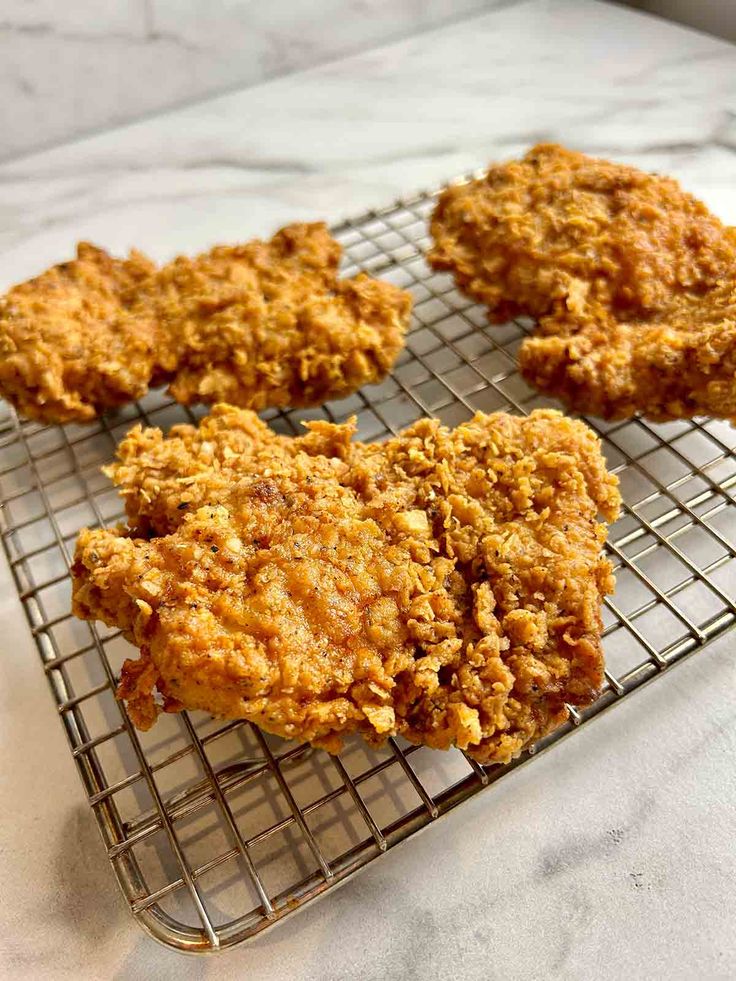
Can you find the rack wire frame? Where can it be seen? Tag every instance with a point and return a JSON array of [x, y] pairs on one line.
[[215, 830]]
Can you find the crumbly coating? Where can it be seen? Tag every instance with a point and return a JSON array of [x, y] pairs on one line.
[[444, 585], [632, 279], [66, 347], [260, 324]]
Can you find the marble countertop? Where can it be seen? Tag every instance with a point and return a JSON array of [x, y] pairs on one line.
[[611, 856], [146, 56]]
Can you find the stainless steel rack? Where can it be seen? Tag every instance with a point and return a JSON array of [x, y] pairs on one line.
[[216, 831]]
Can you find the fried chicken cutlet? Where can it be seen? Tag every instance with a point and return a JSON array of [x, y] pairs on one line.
[[445, 585], [261, 324], [632, 280]]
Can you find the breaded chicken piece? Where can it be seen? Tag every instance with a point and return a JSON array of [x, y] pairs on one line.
[[633, 281], [161, 478], [445, 585], [261, 324], [66, 348]]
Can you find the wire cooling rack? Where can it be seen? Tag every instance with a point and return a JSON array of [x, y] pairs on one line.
[[216, 830]]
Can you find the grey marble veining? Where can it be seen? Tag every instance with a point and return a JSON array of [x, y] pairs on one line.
[[67, 68], [610, 857]]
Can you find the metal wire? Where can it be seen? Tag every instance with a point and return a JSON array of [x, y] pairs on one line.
[[216, 831]]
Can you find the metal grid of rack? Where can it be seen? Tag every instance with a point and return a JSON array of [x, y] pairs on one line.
[[216, 830]]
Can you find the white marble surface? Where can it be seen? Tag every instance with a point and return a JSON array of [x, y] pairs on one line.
[[610, 857], [67, 68]]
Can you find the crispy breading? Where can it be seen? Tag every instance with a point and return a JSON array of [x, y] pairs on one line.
[[161, 477], [444, 585], [66, 348], [632, 279], [261, 324]]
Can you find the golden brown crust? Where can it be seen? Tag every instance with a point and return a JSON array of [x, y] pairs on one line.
[[633, 281], [445, 585], [66, 346], [260, 324]]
